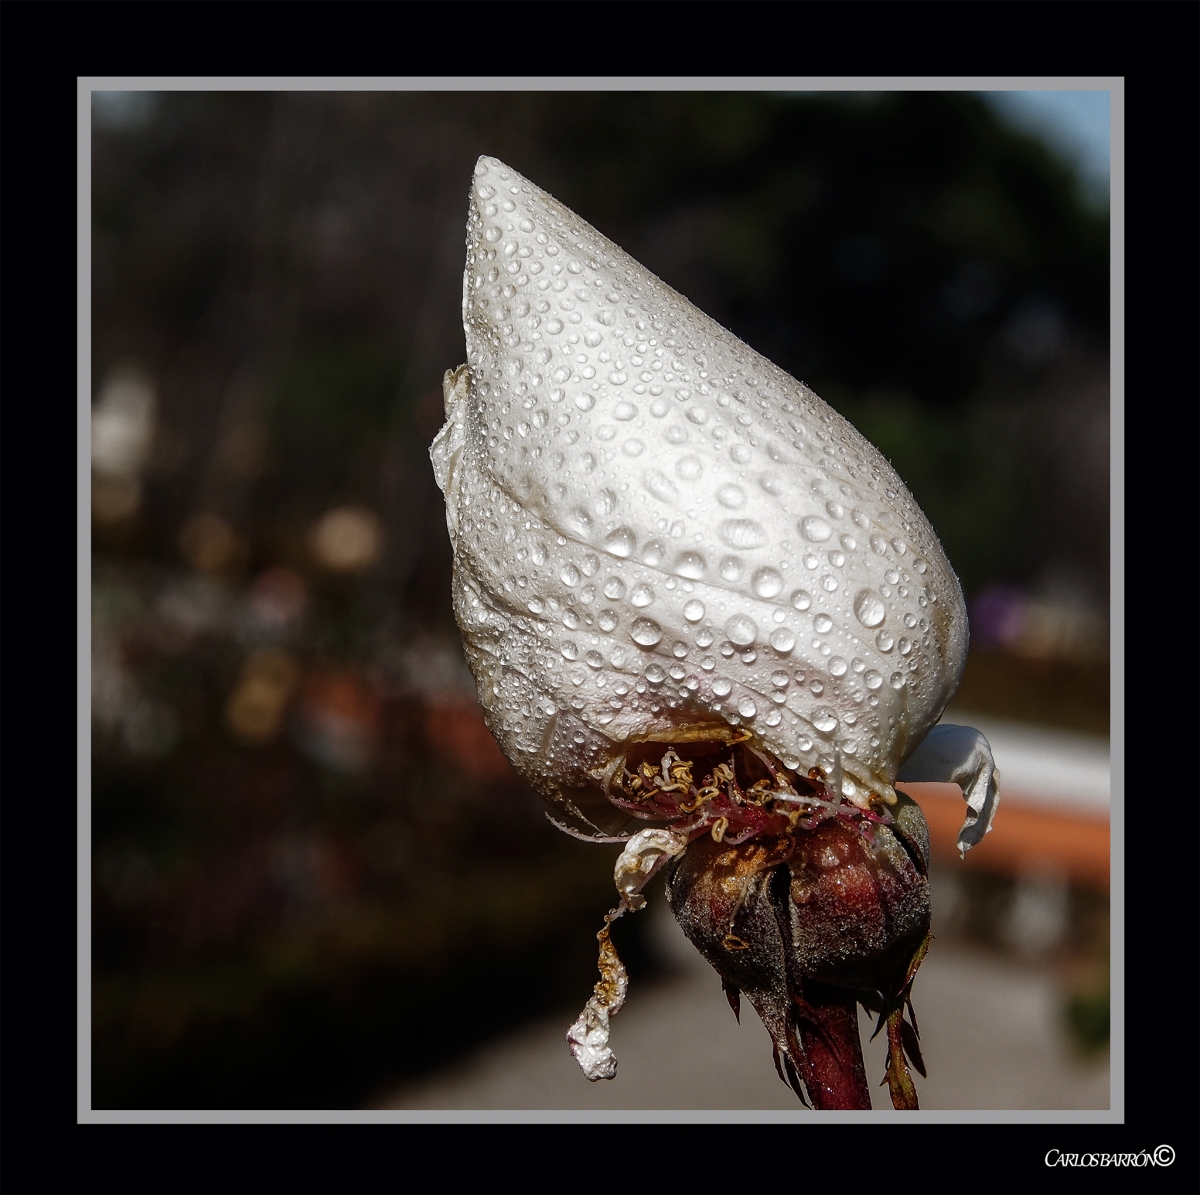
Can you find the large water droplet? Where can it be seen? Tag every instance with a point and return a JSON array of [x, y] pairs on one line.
[[782, 640], [641, 595], [652, 553], [594, 659], [879, 545], [655, 674], [691, 565], [569, 575], [822, 623], [731, 568], [646, 632], [802, 599], [869, 608], [621, 542], [835, 509], [721, 687], [614, 588], [704, 638], [570, 620], [896, 680], [815, 529], [607, 620], [731, 496], [872, 679], [767, 583], [660, 485], [884, 641], [569, 650], [747, 708], [688, 468], [693, 611], [585, 401], [624, 411], [824, 720], [838, 666], [741, 630], [742, 533], [773, 718]]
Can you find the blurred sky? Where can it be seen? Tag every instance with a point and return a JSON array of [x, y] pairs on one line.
[[1075, 124]]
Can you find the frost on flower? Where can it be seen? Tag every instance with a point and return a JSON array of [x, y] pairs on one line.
[[690, 592]]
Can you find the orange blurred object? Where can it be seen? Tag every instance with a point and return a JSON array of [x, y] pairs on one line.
[[1024, 838], [458, 733]]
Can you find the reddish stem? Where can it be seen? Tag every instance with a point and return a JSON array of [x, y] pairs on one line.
[[827, 1022]]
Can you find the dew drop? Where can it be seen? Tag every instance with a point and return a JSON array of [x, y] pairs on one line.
[[624, 411], [569, 650], [732, 497], [721, 687], [691, 565], [693, 611], [780, 679], [822, 623], [645, 632], [835, 509], [815, 529], [641, 595], [767, 583], [773, 717], [824, 720], [741, 630], [655, 674], [621, 542], [688, 468], [747, 708], [896, 680], [731, 568], [653, 553], [554, 326], [606, 620], [704, 638], [884, 641], [585, 401], [633, 447], [879, 545], [570, 620], [802, 599], [614, 588], [569, 575], [829, 584], [838, 666], [872, 679], [594, 659], [742, 533], [660, 485], [782, 640], [869, 608]]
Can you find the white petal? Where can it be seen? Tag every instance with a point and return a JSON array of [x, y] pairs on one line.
[[609, 438]]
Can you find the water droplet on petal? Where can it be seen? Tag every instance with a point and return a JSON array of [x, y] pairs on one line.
[[585, 401], [747, 708], [569, 575], [693, 611], [607, 620], [655, 674], [824, 720], [838, 666], [767, 583], [688, 468], [653, 553], [822, 623], [732, 497], [721, 687], [624, 411], [782, 640], [773, 718], [691, 565], [815, 529], [731, 568], [869, 608], [641, 595], [569, 651], [872, 679], [896, 680], [884, 641], [645, 632], [802, 599], [742, 533], [614, 588], [621, 542], [741, 630], [879, 545]]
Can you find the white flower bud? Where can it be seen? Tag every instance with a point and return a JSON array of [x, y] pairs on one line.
[[658, 534]]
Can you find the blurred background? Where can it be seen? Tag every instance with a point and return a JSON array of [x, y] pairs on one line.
[[316, 882]]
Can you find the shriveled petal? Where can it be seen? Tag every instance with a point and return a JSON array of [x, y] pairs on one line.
[[959, 755]]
